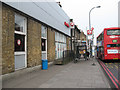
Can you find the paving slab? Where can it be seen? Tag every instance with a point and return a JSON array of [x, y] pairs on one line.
[[80, 75], [73, 75]]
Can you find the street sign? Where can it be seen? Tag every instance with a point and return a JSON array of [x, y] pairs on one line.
[[92, 28], [72, 24], [89, 32]]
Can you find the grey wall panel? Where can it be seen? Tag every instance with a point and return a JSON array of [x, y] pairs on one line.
[[44, 56], [47, 12], [19, 61]]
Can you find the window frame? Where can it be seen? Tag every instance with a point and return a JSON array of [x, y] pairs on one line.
[[112, 30], [44, 52], [22, 33], [25, 34]]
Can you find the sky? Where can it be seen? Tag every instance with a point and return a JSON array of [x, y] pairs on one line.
[[104, 17]]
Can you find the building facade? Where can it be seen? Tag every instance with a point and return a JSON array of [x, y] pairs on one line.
[[83, 38], [75, 37], [78, 38], [32, 32]]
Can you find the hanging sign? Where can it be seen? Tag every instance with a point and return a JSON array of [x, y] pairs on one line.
[[92, 28], [72, 24], [89, 32]]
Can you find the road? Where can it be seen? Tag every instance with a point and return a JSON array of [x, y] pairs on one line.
[[112, 70]]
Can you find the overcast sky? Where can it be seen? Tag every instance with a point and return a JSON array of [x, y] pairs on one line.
[[104, 17]]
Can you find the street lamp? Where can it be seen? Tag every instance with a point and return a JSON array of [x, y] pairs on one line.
[[90, 26]]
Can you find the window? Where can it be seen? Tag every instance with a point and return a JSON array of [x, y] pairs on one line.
[[43, 45], [65, 39], [60, 44], [44, 41], [20, 33], [113, 45], [44, 31], [20, 23], [113, 32], [55, 36], [60, 39], [19, 42]]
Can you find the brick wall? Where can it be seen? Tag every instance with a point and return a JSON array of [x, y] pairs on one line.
[[7, 40], [33, 43], [0, 38], [50, 45], [82, 36]]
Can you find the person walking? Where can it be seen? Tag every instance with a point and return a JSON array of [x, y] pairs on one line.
[[87, 55]]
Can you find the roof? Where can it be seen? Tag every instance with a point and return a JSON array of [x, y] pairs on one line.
[[49, 13]]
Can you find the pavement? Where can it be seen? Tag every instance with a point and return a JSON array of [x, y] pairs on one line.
[[82, 74]]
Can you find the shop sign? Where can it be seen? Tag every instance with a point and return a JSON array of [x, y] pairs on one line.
[[18, 42], [92, 28], [43, 44], [66, 24], [89, 32], [72, 24]]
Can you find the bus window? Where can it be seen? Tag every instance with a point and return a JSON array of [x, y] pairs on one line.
[[113, 45], [108, 45], [113, 32]]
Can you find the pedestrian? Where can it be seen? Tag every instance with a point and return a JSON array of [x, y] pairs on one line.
[[87, 55]]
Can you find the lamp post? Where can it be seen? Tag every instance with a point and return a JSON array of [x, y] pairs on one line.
[[90, 28]]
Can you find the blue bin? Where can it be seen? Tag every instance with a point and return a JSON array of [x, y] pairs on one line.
[[44, 64]]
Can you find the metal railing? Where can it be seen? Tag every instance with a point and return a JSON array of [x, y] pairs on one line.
[[68, 56]]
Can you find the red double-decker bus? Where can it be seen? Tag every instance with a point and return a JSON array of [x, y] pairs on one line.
[[108, 44]]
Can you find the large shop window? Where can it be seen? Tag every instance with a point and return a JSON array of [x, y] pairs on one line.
[[60, 42]]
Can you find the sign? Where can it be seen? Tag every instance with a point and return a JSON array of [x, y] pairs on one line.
[[66, 24], [83, 41], [89, 32], [111, 51], [114, 36], [72, 24], [114, 41], [92, 28], [42, 43], [18, 42]]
